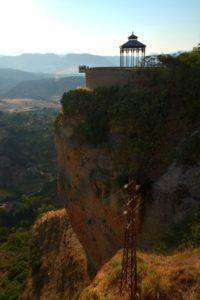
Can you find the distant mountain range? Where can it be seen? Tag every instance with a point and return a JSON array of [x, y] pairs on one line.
[[44, 89], [42, 76], [9, 78], [56, 64], [19, 84]]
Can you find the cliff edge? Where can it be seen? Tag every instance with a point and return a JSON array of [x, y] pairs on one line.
[[57, 259]]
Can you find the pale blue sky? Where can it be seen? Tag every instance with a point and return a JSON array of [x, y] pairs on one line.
[[97, 27]]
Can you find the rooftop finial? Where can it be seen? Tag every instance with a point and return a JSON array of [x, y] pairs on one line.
[[133, 36]]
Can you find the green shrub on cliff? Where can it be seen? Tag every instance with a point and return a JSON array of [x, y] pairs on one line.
[[90, 131], [141, 109], [15, 266], [189, 151], [183, 235]]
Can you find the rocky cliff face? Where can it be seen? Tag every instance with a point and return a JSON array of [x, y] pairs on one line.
[[175, 197], [58, 261], [88, 176], [96, 216]]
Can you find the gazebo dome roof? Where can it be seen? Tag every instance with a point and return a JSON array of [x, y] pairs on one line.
[[133, 37], [133, 43]]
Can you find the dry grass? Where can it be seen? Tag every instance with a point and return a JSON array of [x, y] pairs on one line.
[[160, 277]]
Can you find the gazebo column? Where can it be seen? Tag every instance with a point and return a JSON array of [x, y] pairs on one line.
[[143, 57], [128, 54], [124, 58], [121, 57], [129, 57], [135, 57], [132, 53], [138, 57]]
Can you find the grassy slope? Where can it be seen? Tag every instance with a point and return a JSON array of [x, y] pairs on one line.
[[160, 277]]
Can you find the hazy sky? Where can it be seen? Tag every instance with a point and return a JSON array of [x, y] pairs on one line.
[[97, 26]]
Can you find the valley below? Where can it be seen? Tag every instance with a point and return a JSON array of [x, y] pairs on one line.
[[26, 105], [66, 156]]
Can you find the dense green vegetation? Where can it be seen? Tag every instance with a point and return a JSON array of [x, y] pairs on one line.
[[15, 264], [27, 151], [16, 243], [28, 183], [143, 108], [117, 104], [184, 235]]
